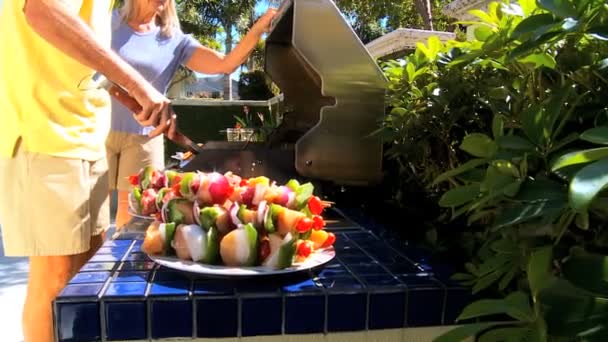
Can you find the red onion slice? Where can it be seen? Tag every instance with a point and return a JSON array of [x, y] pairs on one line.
[[260, 190], [266, 216], [163, 211], [292, 199], [196, 212], [234, 211]]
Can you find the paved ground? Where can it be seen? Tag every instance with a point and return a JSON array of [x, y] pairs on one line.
[[13, 280]]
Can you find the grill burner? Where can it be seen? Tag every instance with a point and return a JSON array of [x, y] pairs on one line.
[[333, 98]]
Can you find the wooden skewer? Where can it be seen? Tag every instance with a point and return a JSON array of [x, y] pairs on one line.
[[327, 204]]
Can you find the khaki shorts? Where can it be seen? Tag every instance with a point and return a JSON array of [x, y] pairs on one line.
[[128, 153], [51, 206]]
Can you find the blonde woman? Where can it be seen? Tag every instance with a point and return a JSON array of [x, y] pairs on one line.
[[146, 33]]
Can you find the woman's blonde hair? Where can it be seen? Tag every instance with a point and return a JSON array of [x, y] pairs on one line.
[[167, 20]]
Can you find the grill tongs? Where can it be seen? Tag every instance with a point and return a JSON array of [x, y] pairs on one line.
[[128, 101]]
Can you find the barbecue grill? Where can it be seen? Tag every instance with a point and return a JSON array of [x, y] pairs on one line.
[[333, 97]]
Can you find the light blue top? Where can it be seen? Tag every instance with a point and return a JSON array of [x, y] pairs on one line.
[[156, 57]]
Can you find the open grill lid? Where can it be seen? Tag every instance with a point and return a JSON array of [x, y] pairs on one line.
[[333, 92]]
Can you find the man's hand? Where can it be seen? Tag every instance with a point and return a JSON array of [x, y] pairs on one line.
[[155, 109]]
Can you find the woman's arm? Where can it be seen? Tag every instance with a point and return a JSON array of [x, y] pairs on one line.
[[209, 61]]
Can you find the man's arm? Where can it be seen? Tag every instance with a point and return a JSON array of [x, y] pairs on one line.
[[54, 22]]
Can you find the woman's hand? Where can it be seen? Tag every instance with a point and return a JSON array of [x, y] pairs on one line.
[[264, 23], [208, 61]]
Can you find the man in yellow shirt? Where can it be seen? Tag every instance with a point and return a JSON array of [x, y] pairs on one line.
[[54, 124]]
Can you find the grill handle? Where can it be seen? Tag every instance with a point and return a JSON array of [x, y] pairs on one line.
[[130, 103], [124, 98]]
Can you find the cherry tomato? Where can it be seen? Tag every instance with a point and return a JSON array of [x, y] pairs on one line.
[[304, 249], [175, 189], [331, 238], [318, 222], [177, 179], [304, 225], [315, 206], [134, 180]]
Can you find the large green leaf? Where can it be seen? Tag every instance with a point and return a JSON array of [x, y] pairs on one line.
[[540, 60], [561, 8], [482, 33], [514, 142], [498, 126], [506, 167], [495, 180], [459, 195], [541, 190], [536, 24], [485, 281], [530, 45], [479, 145], [519, 304], [531, 120], [508, 277], [469, 165], [567, 173], [572, 312], [521, 213], [515, 305], [399, 111], [491, 265], [579, 157], [596, 135], [510, 334], [589, 272], [463, 332], [587, 183], [539, 267], [554, 108]]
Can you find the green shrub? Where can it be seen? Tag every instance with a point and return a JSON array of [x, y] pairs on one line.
[[521, 117], [255, 85]]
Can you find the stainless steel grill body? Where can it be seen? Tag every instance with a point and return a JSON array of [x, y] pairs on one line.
[[333, 99]]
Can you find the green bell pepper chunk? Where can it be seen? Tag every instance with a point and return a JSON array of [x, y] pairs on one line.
[[212, 255], [286, 253], [252, 235], [208, 216]]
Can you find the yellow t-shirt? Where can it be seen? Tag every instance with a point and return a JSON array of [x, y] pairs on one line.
[[45, 96]]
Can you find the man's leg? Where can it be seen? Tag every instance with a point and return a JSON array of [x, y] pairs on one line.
[[47, 277], [71, 201]]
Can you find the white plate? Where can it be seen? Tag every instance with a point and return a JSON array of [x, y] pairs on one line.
[[140, 216], [317, 259]]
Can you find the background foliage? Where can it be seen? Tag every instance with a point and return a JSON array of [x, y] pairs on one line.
[[511, 129]]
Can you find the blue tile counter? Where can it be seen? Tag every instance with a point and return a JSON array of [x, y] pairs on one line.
[[374, 283]]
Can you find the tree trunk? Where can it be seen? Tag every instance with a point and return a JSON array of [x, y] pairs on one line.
[[227, 80], [424, 9]]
